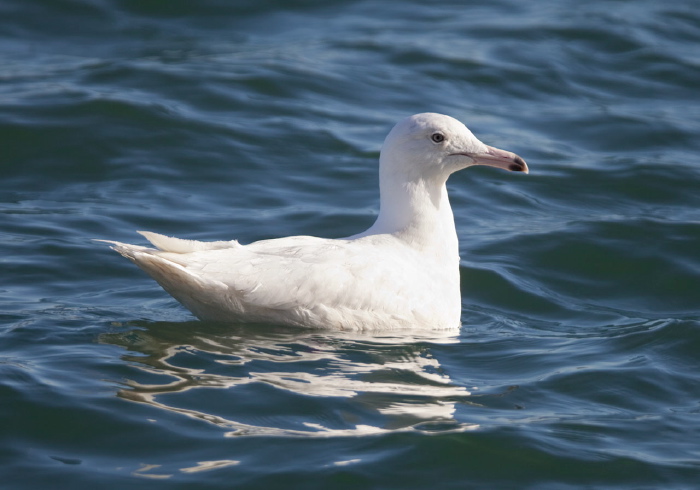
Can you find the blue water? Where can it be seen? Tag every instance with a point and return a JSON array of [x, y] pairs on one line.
[[577, 365]]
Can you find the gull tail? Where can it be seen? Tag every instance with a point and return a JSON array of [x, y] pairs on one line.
[[204, 296]]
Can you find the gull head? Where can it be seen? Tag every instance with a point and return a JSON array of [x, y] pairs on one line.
[[432, 146]]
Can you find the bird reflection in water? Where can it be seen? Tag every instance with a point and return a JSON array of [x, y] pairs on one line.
[[277, 381]]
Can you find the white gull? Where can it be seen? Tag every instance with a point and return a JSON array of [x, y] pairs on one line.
[[403, 272]]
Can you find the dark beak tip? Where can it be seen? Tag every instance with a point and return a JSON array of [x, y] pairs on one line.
[[519, 165]]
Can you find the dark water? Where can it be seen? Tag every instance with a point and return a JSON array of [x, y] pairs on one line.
[[578, 362]]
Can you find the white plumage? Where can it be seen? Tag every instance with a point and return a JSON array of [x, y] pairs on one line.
[[403, 272]]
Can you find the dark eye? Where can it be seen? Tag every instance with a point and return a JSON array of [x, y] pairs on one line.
[[437, 137]]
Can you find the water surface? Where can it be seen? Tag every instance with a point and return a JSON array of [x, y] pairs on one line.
[[576, 364]]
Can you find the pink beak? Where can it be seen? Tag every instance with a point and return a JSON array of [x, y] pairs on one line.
[[494, 157]]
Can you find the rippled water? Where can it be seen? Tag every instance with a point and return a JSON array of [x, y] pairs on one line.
[[577, 362]]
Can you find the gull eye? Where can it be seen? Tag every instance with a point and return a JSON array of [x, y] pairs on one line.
[[437, 137]]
